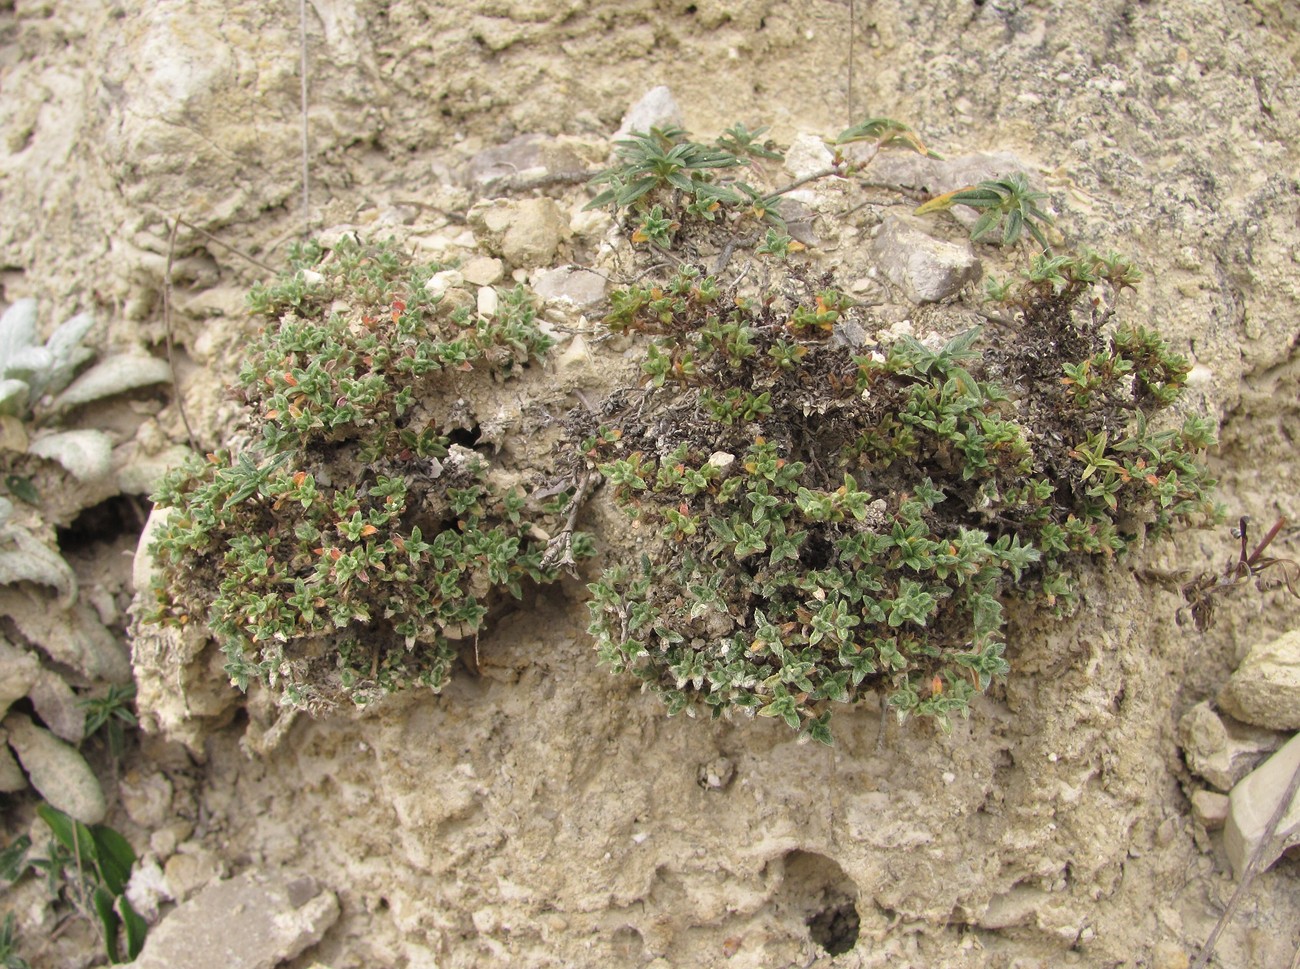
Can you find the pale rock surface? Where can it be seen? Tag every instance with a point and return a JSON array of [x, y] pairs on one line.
[[927, 269], [523, 157], [482, 270], [524, 232], [252, 921], [147, 798], [1219, 749], [1265, 689], [1210, 808], [56, 770], [807, 155], [578, 286], [190, 870], [1252, 804], [656, 109]]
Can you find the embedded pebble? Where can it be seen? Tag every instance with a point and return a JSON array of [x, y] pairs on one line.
[[1265, 689]]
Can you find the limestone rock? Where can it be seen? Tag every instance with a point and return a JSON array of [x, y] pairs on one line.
[[182, 690], [57, 771], [482, 270], [524, 156], [146, 797], [190, 870], [277, 919], [524, 232], [656, 109], [927, 269], [1252, 804], [1210, 808], [1265, 689], [1220, 749], [936, 176], [581, 287]]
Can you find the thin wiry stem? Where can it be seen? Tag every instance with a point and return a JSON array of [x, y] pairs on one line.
[[306, 171]]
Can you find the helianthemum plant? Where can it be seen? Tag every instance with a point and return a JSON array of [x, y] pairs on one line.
[[827, 521], [347, 551]]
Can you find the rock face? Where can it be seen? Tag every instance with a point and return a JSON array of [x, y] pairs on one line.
[[1265, 689], [1252, 804], [927, 269], [248, 922]]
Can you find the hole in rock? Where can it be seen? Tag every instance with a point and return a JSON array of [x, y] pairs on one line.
[[109, 520], [817, 888], [464, 436]]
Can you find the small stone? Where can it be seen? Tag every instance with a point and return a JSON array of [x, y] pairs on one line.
[[1252, 804], [276, 918], [806, 156], [1220, 749], [1210, 808], [439, 283], [722, 460], [576, 355], [190, 870], [73, 636], [56, 770], [523, 232], [1019, 906], [514, 158], [483, 270], [716, 774], [147, 798], [581, 287], [927, 269], [1265, 689], [656, 109], [487, 301]]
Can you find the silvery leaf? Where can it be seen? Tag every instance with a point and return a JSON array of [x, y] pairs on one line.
[[17, 330], [13, 396], [66, 351], [113, 375], [23, 556], [87, 454]]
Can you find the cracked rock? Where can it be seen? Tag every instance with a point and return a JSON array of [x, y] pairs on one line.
[[253, 921]]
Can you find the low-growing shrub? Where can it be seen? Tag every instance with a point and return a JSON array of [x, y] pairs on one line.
[[345, 551], [829, 520]]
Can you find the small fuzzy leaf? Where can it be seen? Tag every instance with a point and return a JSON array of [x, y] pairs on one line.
[[114, 375], [87, 454], [28, 558], [17, 330], [13, 396]]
